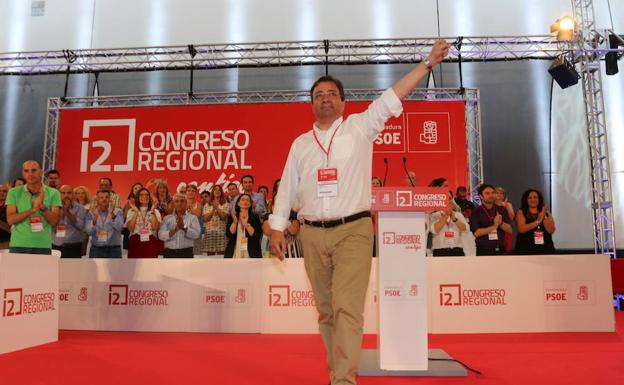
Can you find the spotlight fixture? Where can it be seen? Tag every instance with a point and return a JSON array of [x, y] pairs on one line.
[[564, 27], [563, 72]]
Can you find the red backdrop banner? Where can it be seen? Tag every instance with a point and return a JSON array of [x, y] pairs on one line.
[[207, 144]]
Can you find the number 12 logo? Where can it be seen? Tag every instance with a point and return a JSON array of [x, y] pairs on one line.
[[105, 145]]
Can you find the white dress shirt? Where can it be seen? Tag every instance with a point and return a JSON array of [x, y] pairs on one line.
[[351, 154], [444, 239], [181, 239]]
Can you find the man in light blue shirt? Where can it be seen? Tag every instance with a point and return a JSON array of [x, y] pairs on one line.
[[104, 224], [178, 230], [68, 231]]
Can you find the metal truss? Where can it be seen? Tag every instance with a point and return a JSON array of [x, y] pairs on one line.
[[469, 96], [588, 40], [275, 54]]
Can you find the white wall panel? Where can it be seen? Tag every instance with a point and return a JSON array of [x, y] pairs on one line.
[[122, 23], [65, 24], [500, 17]]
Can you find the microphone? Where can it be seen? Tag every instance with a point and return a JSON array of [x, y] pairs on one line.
[[386, 171], [411, 180]]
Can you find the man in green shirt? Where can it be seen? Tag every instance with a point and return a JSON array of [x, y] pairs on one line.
[[32, 210]]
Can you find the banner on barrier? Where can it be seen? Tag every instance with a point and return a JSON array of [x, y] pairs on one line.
[[207, 144]]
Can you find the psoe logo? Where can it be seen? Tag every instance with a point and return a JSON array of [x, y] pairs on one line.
[[393, 292], [241, 296], [216, 297], [12, 305], [83, 296], [450, 294], [429, 135], [279, 295], [114, 126], [117, 294], [556, 294], [583, 293]]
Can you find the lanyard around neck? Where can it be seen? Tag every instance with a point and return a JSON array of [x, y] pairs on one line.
[[331, 141]]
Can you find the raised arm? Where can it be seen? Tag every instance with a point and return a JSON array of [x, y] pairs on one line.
[[407, 83]]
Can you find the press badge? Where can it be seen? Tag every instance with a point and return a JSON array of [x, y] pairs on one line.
[[61, 231], [493, 236], [102, 236], [36, 224], [327, 182], [449, 238], [243, 245], [538, 236], [144, 234]]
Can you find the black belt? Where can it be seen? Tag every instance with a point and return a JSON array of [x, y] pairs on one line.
[[339, 221]]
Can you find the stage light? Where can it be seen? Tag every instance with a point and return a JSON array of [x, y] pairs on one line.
[[563, 72], [611, 58], [564, 27]]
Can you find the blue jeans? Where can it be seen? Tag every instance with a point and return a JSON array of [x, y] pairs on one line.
[[30, 250], [105, 251]]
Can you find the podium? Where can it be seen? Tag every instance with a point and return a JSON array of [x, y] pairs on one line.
[[402, 289], [29, 288]]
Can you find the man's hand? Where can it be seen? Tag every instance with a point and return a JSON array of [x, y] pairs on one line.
[[278, 244], [438, 52], [39, 200], [179, 223], [498, 219]]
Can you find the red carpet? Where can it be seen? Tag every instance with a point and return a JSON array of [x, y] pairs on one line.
[[93, 358]]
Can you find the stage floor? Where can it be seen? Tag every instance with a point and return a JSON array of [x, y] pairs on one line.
[[95, 358]]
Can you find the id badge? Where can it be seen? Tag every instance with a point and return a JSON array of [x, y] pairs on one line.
[[449, 238], [243, 245], [102, 236], [61, 230], [538, 236], [327, 182], [493, 236], [212, 225], [36, 224], [144, 234]]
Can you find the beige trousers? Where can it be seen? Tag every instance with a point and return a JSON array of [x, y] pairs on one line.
[[338, 263]]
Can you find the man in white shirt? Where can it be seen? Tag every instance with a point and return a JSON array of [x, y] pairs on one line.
[[328, 171], [179, 230]]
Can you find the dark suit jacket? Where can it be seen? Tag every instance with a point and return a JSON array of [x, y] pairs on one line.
[[253, 242]]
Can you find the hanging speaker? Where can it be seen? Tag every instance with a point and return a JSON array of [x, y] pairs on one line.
[[611, 58]]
